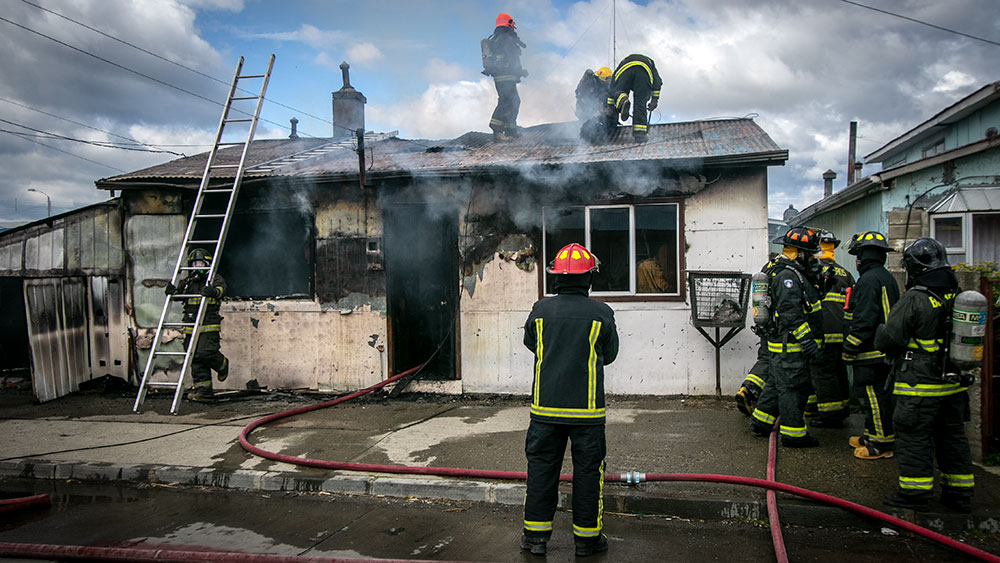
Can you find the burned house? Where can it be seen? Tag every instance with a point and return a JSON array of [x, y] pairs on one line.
[[347, 264]]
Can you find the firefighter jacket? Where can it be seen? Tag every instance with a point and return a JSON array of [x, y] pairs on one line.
[[796, 310], [193, 285], [573, 338], [591, 93], [914, 337], [869, 306], [648, 70], [505, 62], [835, 281]]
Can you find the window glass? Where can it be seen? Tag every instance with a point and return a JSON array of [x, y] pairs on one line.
[[563, 225], [948, 231], [656, 249], [609, 241]]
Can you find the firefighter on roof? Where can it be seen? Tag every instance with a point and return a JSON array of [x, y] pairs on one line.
[[829, 374], [872, 299], [636, 74], [931, 407], [793, 339], [502, 60], [573, 337], [591, 100], [192, 290]]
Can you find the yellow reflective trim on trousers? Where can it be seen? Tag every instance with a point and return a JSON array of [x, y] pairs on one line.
[[927, 389], [779, 348], [958, 480], [876, 410], [793, 431], [870, 355], [754, 379], [632, 64], [833, 338], [621, 97], [539, 352], [833, 406], [497, 122], [885, 305], [639, 127], [197, 301], [834, 297], [204, 328], [595, 332], [585, 532], [537, 526], [764, 417], [556, 412], [848, 316], [916, 483]]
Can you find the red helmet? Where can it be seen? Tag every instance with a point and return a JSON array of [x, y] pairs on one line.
[[504, 20], [573, 259]]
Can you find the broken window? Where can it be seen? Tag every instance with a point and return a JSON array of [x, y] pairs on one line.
[[268, 254], [638, 246]]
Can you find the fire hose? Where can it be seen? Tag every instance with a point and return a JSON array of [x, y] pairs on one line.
[[629, 478]]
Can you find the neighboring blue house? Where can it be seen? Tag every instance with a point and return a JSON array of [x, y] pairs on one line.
[[939, 179]]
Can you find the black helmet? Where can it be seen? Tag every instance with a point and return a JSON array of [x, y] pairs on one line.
[[199, 255], [828, 236], [799, 237], [869, 239], [923, 255]]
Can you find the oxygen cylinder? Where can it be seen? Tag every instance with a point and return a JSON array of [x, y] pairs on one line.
[[759, 298], [968, 329]]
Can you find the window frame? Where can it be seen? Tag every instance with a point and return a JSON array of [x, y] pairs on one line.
[[631, 295], [965, 235]]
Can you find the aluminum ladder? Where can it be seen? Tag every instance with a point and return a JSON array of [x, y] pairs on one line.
[[213, 222]]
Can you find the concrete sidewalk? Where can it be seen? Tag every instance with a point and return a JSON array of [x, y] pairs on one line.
[[94, 437]]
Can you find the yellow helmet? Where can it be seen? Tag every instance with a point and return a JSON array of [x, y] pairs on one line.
[[603, 73]]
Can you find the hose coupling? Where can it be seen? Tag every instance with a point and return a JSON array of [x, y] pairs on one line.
[[633, 478]]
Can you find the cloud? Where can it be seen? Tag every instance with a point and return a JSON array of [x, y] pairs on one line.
[[363, 53], [307, 34]]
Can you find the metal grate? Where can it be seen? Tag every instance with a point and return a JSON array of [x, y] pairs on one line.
[[719, 299]]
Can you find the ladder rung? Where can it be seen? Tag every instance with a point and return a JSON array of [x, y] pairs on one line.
[[178, 324], [250, 76], [231, 143], [244, 98], [202, 241], [225, 166], [211, 216], [218, 190], [162, 384], [171, 353], [240, 120]]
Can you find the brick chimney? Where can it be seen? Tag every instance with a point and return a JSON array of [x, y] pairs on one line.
[[348, 107], [828, 178]]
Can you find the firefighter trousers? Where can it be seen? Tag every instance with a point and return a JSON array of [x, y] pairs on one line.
[[544, 447], [636, 80], [207, 357], [929, 427], [876, 403], [758, 374], [508, 104], [784, 396], [829, 380]]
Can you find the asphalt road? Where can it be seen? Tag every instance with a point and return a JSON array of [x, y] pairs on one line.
[[190, 518]]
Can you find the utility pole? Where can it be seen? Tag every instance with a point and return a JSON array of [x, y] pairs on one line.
[[48, 200]]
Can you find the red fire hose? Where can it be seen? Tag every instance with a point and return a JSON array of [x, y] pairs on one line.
[[12, 504], [629, 478]]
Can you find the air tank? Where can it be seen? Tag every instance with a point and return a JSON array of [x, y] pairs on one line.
[[968, 330], [759, 298]]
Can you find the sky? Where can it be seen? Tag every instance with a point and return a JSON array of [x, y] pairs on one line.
[[95, 88]]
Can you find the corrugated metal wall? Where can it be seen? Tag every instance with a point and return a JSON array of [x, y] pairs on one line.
[[57, 328]]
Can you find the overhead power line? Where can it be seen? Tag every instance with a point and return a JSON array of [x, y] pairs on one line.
[[64, 152], [914, 20], [47, 135]]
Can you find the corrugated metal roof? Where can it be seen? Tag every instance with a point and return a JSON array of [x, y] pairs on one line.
[[986, 198], [721, 141]]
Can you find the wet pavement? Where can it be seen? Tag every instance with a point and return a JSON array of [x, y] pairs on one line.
[[94, 438]]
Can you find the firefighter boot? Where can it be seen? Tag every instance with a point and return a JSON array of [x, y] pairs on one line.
[[626, 106], [589, 546], [745, 400], [956, 501], [806, 441], [900, 500], [856, 442], [201, 391], [223, 372], [536, 546], [870, 451]]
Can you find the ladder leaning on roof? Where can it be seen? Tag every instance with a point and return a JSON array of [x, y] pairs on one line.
[[212, 222]]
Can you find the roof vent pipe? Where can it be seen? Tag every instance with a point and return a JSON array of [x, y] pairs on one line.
[[828, 178], [857, 170], [295, 126]]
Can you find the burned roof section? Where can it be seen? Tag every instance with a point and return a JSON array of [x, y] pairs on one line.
[[719, 142]]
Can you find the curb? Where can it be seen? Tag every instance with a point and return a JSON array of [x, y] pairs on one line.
[[634, 500]]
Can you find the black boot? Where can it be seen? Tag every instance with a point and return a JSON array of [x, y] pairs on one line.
[[745, 400], [223, 373], [589, 546], [957, 502], [806, 441], [899, 500], [536, 546]]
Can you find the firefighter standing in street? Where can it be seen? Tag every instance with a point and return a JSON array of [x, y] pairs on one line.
[[502, 60], [872, 299], [637, 74], [192, 290], [829, 374], [753, 385], [793, 336], [931, 408], [573, 337], [591, 99]]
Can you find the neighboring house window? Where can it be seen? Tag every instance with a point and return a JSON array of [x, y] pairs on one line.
[[949, 230], [934, 149], [897, 160], [638, 246], [986, 237]]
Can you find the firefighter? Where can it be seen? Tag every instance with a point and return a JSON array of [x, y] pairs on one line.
[[931, 408], [829, 373], [874, 294], [748, 393], [573, 337], [591, 99], [502, 61], [793, 338], [637, 74], [191, 291]]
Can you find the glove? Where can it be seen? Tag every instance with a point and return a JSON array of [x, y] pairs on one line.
[[809, 349], [210, 291], [652, 104], [170, 289]]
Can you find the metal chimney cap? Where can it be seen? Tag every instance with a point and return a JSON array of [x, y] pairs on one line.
[[829, 175]]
